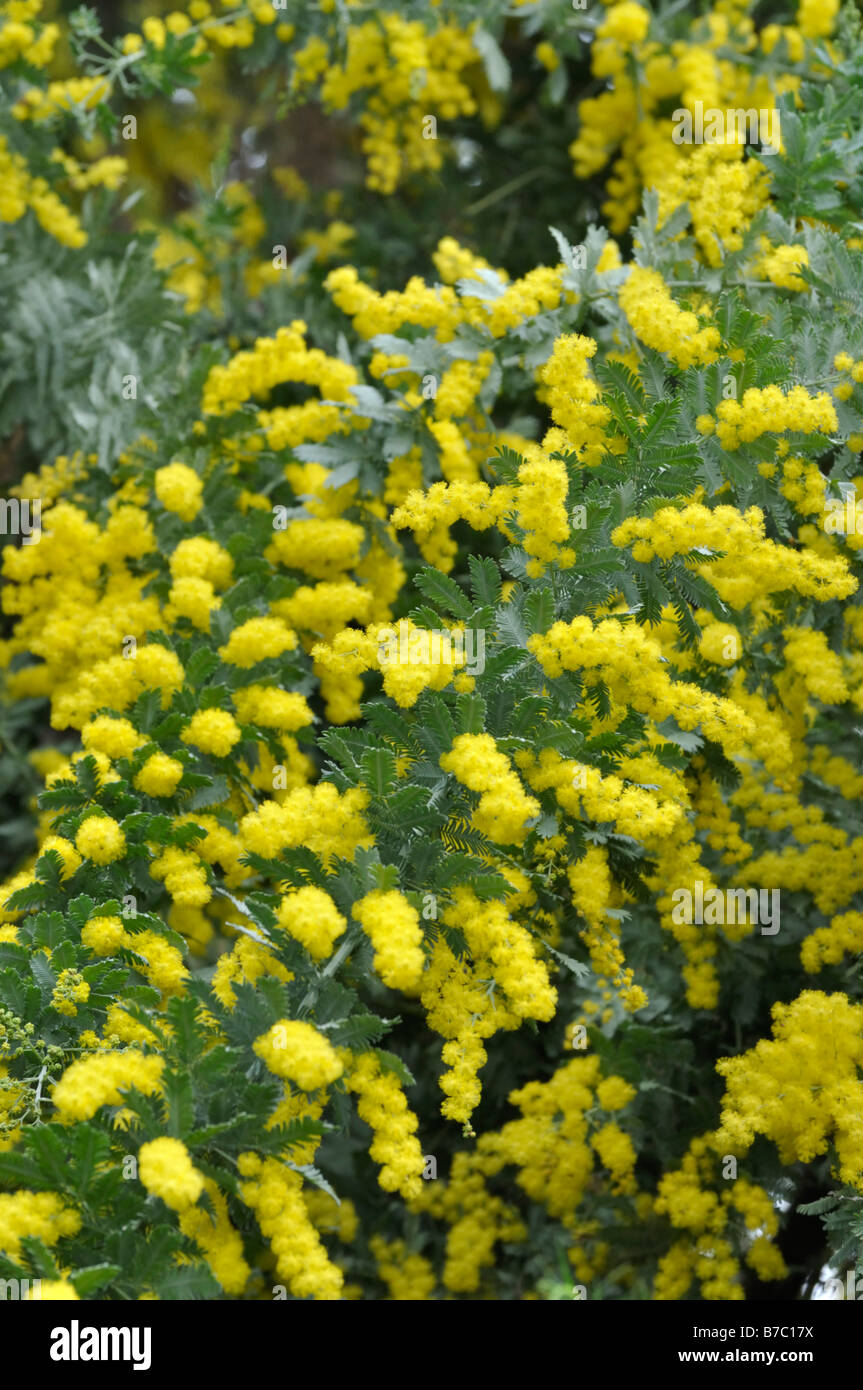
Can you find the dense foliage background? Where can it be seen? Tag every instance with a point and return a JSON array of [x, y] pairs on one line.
[[334, 964]]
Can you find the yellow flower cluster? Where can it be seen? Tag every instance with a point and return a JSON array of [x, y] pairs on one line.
[[44, 1216], [687, 1197], [630, 121], [19, 190], [70, 991], [312, 918], [657, 321], [477, 1220], [630, 663], [271, 362], [749, 566], [541, 500], [827, 945], [299, 1053], [505, 811], [408, 1275], [769, 410], [217, 1239], [781, 263], [501, 983], [274, 1194], [393, 927], [802, 1089], [38, 104], [92, 1082], [551, 1142], [572, 394], [590, 881], [319, 817], [166, 1169], [406, 71], [383, 1106]]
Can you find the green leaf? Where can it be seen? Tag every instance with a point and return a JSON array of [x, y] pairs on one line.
[[185, 1282], [201, 666], [391, 1063], [358, 1030], [93, 1277], [485, 580], [539, 610], [42, 1262], [215, 793], [201, 1138], [471, 713], [496, 66], [822, 1205], [443, 591], [80, 909], [689, 742], [314, 1175], [577, 968], [379, 774], [179, 1103], [13, 955], [18, 1170]]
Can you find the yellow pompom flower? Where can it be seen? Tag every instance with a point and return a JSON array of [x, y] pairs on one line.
[[43, 1215], [257, 640], [212, 731], [396, 934], [179, 489], [94, 1081], [104, 935], [198, 557], [614, 1093], [159, 776], [312, 918], [116, 738], [272, 708], [720, 643], [157, 668], [100, 839], [299, 1053], [166, 1169]]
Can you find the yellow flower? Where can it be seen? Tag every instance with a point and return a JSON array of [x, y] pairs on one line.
[[298, 1052], [212, 731], [179, 489], [100, 838], [94, 1081], [396, 934], [165, 1168], [312, 918], [159, 776]]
